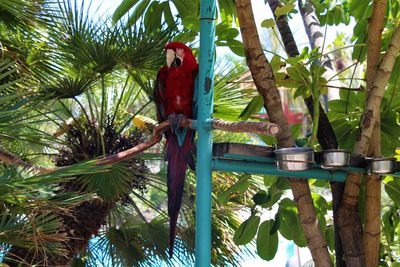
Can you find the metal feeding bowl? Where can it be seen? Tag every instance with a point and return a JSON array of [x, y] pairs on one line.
[[294, 158], [381, 165], [334, 159]]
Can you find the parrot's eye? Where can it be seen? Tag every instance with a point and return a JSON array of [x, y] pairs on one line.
[[176, 63]]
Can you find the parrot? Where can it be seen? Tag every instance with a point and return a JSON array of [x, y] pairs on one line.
[[173, 96]]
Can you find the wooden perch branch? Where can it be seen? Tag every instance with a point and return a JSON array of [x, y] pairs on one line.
[[247, 127], [157, 136], [243, 127]]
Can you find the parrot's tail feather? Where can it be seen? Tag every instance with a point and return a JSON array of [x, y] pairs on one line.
[[176, 172], [190, 161], [172, 232]]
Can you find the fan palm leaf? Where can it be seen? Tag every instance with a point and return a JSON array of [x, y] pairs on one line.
[[101, 76]]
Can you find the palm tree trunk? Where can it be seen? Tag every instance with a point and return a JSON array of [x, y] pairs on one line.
[[265, 82], [349, 222], [372, 224], [326, 135]]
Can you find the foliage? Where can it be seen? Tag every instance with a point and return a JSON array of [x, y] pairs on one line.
[[62, 71], [73, 89], [157, 12]]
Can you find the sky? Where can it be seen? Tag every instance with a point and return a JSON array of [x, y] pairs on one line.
[[261, 12]]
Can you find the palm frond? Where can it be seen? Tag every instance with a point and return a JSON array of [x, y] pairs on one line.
[[230, 97], [144, 50], [109, 185], [83, 44], [69, 86]]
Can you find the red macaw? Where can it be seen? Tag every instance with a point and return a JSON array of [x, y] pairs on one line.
[[173, 96]]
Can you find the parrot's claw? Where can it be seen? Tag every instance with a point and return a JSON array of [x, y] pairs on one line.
[[175, 120], [181, 117]]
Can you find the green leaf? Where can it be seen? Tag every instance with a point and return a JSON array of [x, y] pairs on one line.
[[192, 23], [253, 107], [285, 9], [302, 90], [186, 8], [290, 227], [296, 130], [284, 80], [329, 237], [393, 190], [122, 9], [295, 75], [152, 19], [276, 64], [359, 8], [282, 183], [388, 227], [138, 12], [247, 230], [168, 14], [239, 187], [320, 203], [268, 23], [275, 192], [276, 225], [186, 37], [267, 243], [269, 179], [236, 47], [261, 197]]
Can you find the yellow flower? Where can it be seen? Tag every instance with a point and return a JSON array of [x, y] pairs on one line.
[[143, 122]]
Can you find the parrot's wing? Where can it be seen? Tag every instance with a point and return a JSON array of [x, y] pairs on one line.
[[159, 90], [195, 95]]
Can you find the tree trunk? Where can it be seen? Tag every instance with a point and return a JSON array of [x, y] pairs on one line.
[[326, 135], [350, 232], [265, 82], [372, 224], [316, 39]]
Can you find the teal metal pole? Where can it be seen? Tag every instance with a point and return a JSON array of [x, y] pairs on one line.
[[204, 133], [271, 169]]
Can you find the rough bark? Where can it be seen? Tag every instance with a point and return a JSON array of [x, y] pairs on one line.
[[326, 136], [372, 223], [284, 30], [313, 29], [349, 219], [266, 86], [316, 38]]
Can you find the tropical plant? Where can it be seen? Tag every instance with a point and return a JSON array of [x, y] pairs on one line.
[[69, 94], [373, 47]]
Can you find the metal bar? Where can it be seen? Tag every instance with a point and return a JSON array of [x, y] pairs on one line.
[[268, 168], [204, 132]]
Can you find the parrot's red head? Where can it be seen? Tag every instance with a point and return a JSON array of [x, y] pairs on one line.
[[179, 55]]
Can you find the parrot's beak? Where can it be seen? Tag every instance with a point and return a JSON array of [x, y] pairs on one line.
[[170, 57]]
